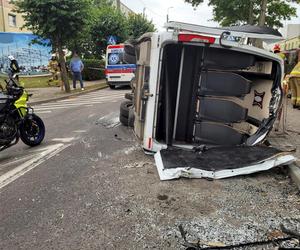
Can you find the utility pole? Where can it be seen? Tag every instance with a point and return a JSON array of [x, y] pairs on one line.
[[168, 13]]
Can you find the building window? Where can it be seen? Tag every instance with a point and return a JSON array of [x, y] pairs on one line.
[[12, 20]]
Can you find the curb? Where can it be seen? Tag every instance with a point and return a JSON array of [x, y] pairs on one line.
[[294, 171], [67, 96]]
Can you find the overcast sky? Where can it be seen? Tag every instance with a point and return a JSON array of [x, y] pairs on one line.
[[181, 11]]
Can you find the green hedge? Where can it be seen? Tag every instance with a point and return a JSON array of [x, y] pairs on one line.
[[93, 69]]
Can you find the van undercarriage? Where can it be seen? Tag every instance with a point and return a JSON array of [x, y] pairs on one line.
[[204, 105], [214, 106], [214, 96]]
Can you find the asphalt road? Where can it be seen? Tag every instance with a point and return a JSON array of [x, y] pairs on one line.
[[30, 177], [90, 186]]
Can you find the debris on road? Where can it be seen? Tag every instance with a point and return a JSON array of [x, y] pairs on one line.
[[109, 121]]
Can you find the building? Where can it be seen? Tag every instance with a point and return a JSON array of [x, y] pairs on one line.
[[290, 44], [32, 57], [9, 20], [124, 9], [290, 31]]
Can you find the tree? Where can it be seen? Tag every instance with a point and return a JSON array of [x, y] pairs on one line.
[[138, 25], [60, 21], [107, 21], [256, 12]]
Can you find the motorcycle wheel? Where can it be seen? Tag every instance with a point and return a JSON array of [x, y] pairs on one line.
[[32, 131]]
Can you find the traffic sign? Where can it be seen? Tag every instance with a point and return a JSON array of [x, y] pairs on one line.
[[112, 40]]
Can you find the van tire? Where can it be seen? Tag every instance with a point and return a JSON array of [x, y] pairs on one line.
[[124, 108], [111, 86], [131, 118], [123, 120], [129, 96]]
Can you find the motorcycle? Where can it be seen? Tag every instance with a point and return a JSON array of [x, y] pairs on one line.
[[17, 119]]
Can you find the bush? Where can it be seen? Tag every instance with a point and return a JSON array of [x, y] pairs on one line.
[[93, 69]]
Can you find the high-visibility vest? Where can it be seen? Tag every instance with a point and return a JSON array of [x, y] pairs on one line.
[[283, 57], [296, 70]]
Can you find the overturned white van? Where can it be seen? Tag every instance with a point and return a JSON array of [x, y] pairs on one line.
[[204, 100]]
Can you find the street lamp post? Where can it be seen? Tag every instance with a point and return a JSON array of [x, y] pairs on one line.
[[168, 13]]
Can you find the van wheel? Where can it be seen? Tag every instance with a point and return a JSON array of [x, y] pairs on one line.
[[124, 108], [129, 96], [131, 118], [112, 86], [123, 120]]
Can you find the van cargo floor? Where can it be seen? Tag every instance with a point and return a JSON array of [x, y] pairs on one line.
[[218, 162]]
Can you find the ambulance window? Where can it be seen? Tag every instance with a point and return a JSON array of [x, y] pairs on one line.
[[115, 58]]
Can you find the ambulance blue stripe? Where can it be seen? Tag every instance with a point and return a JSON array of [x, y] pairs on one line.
[[121, 66]]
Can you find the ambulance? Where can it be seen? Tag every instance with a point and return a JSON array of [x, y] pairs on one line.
[[119, 70]]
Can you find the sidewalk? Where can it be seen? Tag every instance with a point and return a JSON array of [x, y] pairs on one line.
[[41, 95]]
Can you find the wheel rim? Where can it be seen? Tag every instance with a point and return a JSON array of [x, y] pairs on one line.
[[32, 130]]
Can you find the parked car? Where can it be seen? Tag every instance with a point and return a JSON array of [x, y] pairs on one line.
[[205, 99]]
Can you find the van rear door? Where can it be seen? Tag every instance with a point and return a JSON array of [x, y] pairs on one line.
[[218, 162]]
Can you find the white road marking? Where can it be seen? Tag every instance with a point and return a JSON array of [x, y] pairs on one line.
[[64, 140], [45, 112], [19, 171], [89, 98], [54, 106], [16, 161], [74, 105], [79, 131], [88, 101], [85, 100]]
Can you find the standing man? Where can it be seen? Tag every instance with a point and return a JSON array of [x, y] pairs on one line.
[[76, 67]]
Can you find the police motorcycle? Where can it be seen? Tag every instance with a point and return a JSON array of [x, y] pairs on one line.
[[17, 119]]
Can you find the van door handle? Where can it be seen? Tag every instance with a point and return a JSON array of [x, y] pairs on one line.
[[148, 94]]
